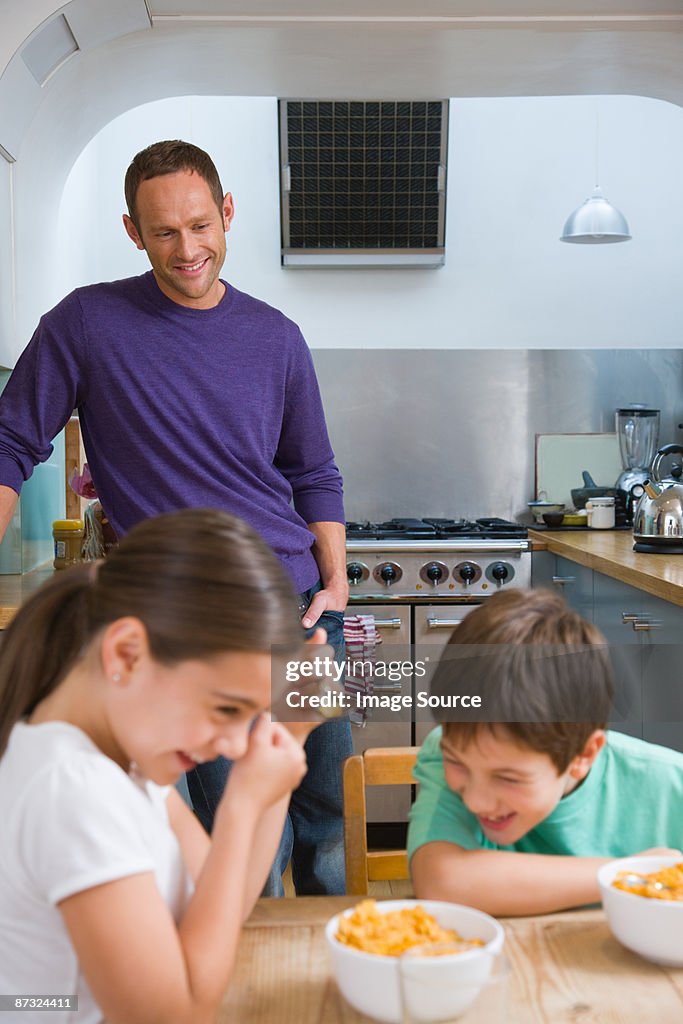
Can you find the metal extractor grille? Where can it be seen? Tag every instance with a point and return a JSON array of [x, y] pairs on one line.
[[363, 175]]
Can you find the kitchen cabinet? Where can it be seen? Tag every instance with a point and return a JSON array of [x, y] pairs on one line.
[[576, 584], [383, 728], [645, 634], [434, 625]]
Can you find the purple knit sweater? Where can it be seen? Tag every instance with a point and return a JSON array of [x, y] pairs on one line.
[[180, 407]]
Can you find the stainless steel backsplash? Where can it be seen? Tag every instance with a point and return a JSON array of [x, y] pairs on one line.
[[452, 433]]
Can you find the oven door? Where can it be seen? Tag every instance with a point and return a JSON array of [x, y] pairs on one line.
[[384, 728], [434, 625]]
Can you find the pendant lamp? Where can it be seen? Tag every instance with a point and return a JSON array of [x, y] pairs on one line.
[[596, 221]]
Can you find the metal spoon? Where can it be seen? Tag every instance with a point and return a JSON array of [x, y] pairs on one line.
[[634, 879]]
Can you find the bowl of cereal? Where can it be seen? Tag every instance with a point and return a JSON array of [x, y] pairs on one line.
[[367, 941], [643, 901]]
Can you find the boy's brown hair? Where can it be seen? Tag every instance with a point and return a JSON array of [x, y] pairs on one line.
[[543, 673]]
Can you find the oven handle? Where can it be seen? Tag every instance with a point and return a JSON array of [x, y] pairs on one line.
[[443, 623]]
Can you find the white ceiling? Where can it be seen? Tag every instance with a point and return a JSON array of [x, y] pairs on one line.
[[134, 51], [413, 9]]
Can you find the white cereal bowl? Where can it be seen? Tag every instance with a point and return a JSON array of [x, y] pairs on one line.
[[650, 927], [371, 983]]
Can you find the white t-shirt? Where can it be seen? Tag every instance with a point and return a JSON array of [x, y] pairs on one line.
[[70, 819]]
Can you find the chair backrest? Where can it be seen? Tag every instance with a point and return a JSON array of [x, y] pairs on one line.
[[378, 766]]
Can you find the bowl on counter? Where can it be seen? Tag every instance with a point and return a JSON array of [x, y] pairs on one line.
[[650, 927], [575, 518], [553, 518], [371, 983], [540, 508]]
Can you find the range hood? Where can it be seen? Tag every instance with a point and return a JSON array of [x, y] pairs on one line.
[[363, 183]]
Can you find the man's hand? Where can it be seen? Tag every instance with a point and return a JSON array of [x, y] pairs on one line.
[[8, 503], [329, 551], [331, 598]]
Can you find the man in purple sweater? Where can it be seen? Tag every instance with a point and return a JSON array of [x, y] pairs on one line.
[[192, 393]]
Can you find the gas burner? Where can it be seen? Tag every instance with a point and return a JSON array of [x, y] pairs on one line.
[[435, 529]]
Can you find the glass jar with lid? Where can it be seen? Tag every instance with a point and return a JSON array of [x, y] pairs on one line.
[[68, 538]]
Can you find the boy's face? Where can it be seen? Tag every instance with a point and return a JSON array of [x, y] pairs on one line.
[[510, 788]]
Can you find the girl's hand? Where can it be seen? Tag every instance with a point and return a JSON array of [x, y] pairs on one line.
[[301, 730], [274, 765]]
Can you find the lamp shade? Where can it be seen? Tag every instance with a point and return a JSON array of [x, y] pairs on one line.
[[596, 222]]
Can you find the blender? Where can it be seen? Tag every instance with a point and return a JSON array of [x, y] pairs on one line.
[[638, 432]]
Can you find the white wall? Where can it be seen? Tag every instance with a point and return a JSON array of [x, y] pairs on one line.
[[6, 258], [517, 167]]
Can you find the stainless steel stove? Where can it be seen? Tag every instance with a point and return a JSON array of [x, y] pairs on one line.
[[418, 579], [435, 559]]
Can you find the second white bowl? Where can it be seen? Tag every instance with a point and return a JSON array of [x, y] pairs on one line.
[[650, 927]]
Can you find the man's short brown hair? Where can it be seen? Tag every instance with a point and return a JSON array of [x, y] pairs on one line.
[[543, 672], [170, 157]]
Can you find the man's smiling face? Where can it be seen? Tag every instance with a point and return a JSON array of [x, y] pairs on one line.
[[183, 233]]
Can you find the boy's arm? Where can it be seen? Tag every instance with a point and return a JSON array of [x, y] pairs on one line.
[[504, 883]]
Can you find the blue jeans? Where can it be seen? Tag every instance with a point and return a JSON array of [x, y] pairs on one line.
[[313, 836]]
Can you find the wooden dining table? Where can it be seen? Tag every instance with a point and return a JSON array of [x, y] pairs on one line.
[[565, 968]]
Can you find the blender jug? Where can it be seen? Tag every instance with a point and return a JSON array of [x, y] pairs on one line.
[[638, 432]]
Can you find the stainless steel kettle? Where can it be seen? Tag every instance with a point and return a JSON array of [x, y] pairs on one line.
[[658, 519]]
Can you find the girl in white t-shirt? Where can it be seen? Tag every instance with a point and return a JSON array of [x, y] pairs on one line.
[[115, 678]]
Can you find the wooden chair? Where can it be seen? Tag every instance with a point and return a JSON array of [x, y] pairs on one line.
[[379, 766]]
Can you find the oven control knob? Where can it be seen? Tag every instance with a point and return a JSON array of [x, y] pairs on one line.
[[468, 572], [356, 572], [387, 573], [500, 572], [434, 572]]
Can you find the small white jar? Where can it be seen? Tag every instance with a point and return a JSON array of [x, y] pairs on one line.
[[600, 513]]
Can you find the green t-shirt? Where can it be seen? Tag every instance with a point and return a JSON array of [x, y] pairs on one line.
[[631, 800]]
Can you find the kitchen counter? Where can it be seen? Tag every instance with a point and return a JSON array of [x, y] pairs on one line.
[[15, 589], [611, 552], [607, 551]]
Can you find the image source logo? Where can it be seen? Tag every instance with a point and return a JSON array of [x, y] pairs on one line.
[[485, 683]]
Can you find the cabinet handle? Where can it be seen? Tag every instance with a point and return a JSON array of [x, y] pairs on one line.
[[388, 623], [641, 622], [560, 581], [443, 623]]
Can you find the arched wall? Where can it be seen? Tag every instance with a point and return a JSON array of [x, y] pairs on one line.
[[425, 57], [516, 169]]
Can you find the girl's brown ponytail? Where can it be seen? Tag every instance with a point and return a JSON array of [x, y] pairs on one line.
[[42, 641], [202, 582]]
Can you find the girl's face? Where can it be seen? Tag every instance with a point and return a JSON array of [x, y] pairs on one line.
[[169, 719]]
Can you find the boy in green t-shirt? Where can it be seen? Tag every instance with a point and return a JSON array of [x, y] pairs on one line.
[[520, 804]]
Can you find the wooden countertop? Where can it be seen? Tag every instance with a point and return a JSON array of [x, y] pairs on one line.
[[607, 551], [611, 552], [15, 588], [564, 967]]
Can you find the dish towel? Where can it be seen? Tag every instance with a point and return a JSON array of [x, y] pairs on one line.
[[362, 639]]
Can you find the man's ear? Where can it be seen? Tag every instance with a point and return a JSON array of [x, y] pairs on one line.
[[583, 762], [132, 231], [228, 210]]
